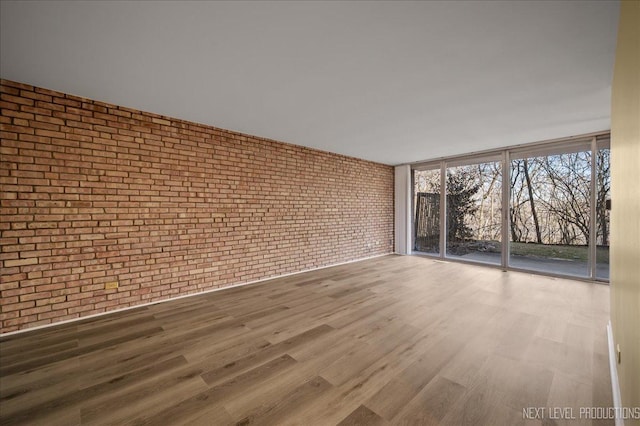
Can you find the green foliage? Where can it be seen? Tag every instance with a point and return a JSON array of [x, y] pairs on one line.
[[462, 186]]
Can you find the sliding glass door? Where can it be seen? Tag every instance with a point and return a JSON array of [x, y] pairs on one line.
[[550, 209], [603, 206], [473, 206], [426, 210], [542, 207]]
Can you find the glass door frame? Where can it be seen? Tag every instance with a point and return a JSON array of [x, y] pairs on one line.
[[438, 165], [461, 162], [505, 155]]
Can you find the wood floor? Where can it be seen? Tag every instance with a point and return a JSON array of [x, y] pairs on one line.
[[392, 340]]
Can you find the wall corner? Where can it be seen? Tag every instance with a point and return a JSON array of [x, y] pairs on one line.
[[402, 201]]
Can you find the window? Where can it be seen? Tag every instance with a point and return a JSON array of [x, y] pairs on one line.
[[474, 200], [542, 207], [426, 210], [603, 206], [549, 209]]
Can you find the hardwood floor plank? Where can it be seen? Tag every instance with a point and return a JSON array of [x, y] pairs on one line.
[[566, 392], [363, 416], [210, 400], [144, 396], [392, 340], [24, 408], [430, 405], [372, 348], [515, 384], [275, 413], [288, 327], [269, 352], [71, 353], [218, 417], [38, 351], [477, 408]]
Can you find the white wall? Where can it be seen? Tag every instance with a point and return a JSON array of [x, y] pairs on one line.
[[403, 209], [625, 208]]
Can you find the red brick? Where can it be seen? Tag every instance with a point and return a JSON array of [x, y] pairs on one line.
[[16, 99], [165, 207], [20, 262]]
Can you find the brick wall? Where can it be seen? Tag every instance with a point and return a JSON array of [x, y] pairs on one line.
[[93, 193]]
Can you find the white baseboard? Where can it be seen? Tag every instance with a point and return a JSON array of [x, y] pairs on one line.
[[189, 295], [615, 385]]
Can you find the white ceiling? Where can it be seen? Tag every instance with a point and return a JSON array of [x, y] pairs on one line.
[[392, 82]]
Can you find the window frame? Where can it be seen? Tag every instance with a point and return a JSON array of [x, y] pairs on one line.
[[592, 142]]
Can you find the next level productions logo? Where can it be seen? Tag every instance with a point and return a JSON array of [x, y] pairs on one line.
[[582, 413]]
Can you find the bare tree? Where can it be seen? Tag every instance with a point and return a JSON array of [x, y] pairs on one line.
[[569, 194], [525, 165], [603, 187], [550, 194]]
